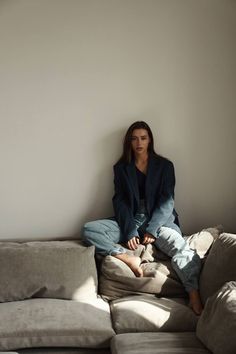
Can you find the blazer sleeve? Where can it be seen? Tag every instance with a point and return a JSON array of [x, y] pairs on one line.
[[123, 212], [165, 204]]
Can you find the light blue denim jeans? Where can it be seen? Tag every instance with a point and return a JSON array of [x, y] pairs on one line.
[[105, 235]]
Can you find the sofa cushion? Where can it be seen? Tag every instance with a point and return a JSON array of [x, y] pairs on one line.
[[147, 313], [117, 279], [202, 241], [54, 323], [220, 265], [217, 325], [157, 343], [52, 269], [63, 350]]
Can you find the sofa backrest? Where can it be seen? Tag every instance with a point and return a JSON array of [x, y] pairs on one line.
[[52, 269], [219, 267]]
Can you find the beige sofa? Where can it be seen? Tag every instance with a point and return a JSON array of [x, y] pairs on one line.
[[53, 300]]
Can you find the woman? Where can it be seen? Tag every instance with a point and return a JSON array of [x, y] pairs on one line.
[[144, 212]]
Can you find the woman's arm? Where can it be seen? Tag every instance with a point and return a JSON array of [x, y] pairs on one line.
[[165, 205], [123, 212]]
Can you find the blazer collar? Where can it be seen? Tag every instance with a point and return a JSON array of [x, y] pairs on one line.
[[131, 172], [152, 168]]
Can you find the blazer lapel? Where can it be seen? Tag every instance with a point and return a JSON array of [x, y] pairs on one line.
[[131, 172], [150, 179]]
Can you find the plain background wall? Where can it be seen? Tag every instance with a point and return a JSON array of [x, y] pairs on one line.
[[74, 74]]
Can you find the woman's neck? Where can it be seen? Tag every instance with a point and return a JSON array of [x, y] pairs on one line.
[[141, 162], [141, 159]]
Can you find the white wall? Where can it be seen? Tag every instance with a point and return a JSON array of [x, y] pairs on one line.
[[75, 74]]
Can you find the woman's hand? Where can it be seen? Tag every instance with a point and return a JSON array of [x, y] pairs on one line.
[[148, 238], [133, 243]]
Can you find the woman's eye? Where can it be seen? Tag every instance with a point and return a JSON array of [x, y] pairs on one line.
[[133, 138]]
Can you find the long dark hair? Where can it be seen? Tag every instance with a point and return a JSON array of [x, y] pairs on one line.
[[127, 154]]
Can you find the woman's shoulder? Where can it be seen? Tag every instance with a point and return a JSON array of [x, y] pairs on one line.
[[161, 160], [119, 165], [156, 158]]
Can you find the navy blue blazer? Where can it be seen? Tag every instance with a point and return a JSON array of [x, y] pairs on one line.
[[159, 195]]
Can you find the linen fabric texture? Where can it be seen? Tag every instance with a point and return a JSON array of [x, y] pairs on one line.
[[146, 313], [216, 327], [157, 343], [53, 269], [219, 267], [117, 279], [55, 323]]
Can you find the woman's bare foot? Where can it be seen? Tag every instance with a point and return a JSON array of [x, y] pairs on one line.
[[195, 302], [132, 261]]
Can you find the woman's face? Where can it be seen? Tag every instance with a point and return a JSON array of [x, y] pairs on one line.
[[140, 141]]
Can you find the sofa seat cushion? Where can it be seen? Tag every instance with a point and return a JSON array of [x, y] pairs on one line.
[[219, 267], [49, 269], [216, 327], [54, 323], [147, 313], [63, 351], [157, 343]]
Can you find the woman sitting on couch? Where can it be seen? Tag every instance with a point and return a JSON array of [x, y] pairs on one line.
[[144, 212]]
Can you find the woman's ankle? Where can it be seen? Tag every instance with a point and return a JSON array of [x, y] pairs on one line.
[[195, 301]]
